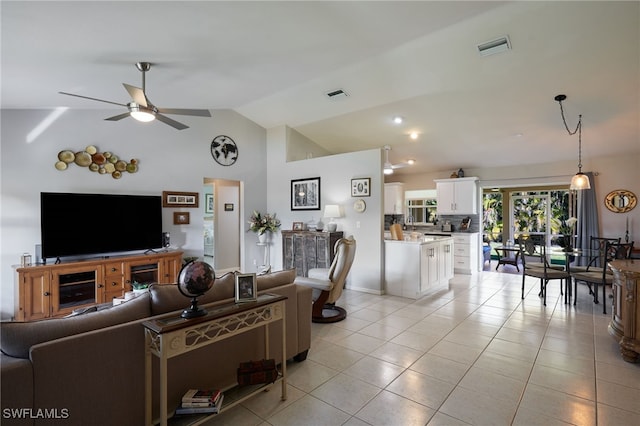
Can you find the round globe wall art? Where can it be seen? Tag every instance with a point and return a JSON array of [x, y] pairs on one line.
[[99, 162]]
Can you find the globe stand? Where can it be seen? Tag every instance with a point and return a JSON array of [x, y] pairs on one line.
[[194, 311], [194, 280]]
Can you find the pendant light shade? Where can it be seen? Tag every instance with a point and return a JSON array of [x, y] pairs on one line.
[[579, 181]]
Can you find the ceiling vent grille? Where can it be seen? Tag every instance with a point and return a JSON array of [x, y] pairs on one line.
[[494, 46], [337, 94]]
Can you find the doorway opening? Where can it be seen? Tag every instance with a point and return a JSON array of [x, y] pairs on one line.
[[540, 213], [222, 210]]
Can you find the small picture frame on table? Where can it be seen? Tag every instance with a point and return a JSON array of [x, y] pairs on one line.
[[298, 226], [180, 218], [246, 288], [361, 187]]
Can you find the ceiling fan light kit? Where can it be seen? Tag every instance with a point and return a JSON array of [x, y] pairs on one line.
[[579, 181], [141, 109]]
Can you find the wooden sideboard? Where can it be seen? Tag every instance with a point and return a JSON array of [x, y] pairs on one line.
[[625, 317], [52, 290], [305, 250]]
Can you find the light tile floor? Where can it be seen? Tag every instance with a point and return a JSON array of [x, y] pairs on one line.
[[474, 353]]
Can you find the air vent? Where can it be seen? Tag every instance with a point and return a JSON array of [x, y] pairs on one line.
[[337, 94], [494, 46]]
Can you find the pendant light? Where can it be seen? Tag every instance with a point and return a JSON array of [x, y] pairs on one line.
[[579, 181]]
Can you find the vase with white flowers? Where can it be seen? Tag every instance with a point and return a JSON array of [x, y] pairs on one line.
[[567, 230], [263, 225]]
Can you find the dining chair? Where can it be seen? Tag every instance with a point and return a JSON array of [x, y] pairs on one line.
[[545, 273], [598, 275], [597, 246]]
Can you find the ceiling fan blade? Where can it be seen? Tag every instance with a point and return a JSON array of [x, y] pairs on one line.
[[118, 117], [182, 111], [92, 99], [137, 94], [399, 165], [171, 122]]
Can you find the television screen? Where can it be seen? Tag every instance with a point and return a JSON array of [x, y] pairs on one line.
[[83, 224]]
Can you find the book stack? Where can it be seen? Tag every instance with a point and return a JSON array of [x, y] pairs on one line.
[[201, 401]]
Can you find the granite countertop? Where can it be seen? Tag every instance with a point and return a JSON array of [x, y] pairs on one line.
[[425, 239]]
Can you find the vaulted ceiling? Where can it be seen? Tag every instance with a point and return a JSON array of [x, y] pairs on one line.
[[274, 62]]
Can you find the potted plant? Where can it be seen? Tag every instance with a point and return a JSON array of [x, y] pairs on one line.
[[139, 288], [262, 224]]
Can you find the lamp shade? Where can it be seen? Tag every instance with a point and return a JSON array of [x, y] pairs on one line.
[[580, 181], [332, 210]]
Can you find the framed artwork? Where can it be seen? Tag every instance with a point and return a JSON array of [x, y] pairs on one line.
[[179, 199], [305, 194], [228, 207], [208, 203], [298, 226], [246, 288], [361, 187], [180, 218]]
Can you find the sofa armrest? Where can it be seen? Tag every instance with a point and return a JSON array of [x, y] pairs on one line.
[[305, 302], [16, 377]]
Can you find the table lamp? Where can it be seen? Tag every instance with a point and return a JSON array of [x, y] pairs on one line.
[[332, 211]]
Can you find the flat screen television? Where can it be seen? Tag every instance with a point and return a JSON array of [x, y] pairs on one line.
[[91, 224]]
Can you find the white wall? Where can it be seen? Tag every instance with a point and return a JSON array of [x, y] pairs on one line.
[[226, 226], [336, 172], [169, 160]]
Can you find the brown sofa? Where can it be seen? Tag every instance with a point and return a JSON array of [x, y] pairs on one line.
[[89, 369]]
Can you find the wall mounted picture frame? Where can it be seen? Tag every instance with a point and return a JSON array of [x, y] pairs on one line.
[[361, 187], [181, 218], [228, 207], [246, 288], [208, 203], [298, 226], [179, 199], [305, 194]]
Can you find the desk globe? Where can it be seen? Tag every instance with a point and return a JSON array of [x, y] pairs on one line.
[[194, 280]]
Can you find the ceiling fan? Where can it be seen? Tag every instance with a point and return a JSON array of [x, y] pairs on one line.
[[388, 167], [142, 109]]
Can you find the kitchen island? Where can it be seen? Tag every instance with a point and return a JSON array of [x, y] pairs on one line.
[[417, 267]]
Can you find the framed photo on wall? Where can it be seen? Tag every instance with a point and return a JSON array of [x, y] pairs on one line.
[[208, 206], [361, 187], [179, 199], [181, 218], [305, 194], [246, 288]]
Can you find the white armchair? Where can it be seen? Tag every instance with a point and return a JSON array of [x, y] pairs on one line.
[[327, 283]]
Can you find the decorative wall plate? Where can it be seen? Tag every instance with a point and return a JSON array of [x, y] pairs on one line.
[[359, 206]]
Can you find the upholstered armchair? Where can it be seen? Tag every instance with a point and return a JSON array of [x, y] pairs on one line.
[[327, 283]]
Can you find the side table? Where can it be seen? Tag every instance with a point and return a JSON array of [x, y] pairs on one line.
[[173, 336]]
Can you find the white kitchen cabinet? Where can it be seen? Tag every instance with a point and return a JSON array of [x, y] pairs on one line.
[[465, 246], [416, 268], [457, 196], [394, 198], [446, 259]]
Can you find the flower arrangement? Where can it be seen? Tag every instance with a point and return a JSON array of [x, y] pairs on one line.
[[567, 231], [262, 223]]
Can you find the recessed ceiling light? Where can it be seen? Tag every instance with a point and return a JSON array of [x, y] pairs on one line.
[[413, 135], [411, 161], [397, 119]]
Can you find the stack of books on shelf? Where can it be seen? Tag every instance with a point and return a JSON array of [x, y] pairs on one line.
[[201, 401]]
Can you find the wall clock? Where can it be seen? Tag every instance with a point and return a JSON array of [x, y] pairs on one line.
[[224, 150]]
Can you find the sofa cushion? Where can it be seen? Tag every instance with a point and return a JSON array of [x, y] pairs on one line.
[[17, 338], [167, 298]]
